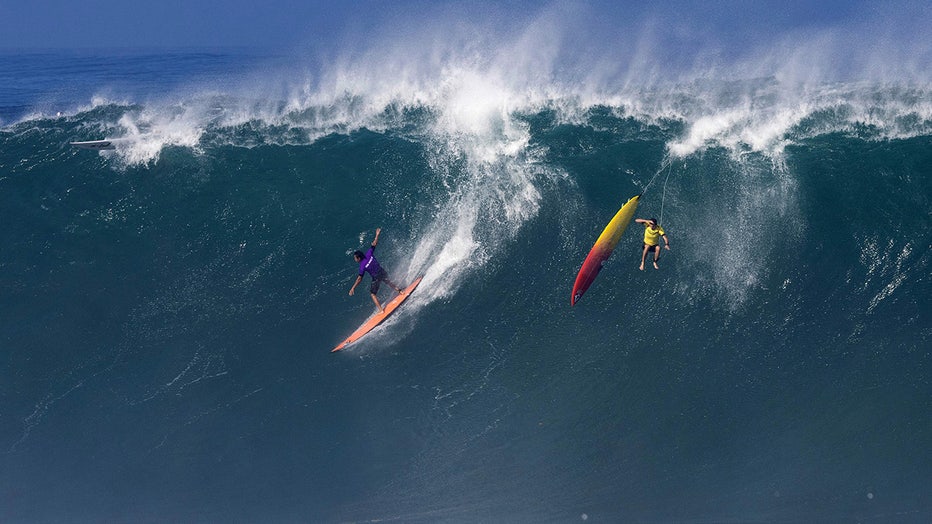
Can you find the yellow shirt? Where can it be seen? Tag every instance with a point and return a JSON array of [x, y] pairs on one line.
[[652, 234]]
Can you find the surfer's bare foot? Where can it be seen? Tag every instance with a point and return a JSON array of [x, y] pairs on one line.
[[642, 267], [655, 266]]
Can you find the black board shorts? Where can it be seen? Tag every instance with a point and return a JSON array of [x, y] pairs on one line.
[[377, 281], [650, 248]]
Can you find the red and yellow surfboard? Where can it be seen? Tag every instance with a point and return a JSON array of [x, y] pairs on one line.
[[603, 248]]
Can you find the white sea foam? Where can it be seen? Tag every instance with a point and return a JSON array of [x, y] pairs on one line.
[[472, 75], [147, 132], [473, 84]]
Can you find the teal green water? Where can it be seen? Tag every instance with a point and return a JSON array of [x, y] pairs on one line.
[[168, 310]]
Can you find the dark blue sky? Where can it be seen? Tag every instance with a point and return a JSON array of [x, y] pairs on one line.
[[827, 39], [289, 23]]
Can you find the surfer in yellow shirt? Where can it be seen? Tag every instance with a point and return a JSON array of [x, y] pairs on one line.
[[652, 235]]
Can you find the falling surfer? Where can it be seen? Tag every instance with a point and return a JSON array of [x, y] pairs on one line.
[[652, 235], [368, 264]]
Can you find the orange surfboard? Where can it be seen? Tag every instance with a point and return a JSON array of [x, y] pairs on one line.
[[378, 318]]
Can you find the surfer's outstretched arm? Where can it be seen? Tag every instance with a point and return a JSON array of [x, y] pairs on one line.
[[376, 239], [353, 289]]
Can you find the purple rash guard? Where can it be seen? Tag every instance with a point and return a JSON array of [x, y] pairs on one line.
[[370, 264]]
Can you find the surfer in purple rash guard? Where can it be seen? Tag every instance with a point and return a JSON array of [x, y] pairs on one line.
[[368, 263]]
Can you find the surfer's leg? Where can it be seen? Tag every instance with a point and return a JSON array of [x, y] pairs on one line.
[[377, 305], [656, 256], [644, 256], [373, 289], [395, 286], [383, 276]]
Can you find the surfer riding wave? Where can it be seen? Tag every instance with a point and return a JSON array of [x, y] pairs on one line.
[[368, 264]]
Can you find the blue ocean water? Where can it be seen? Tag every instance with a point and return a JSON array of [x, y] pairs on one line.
[[167, 309]]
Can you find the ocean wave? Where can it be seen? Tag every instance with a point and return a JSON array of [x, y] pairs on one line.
[[761, 116]]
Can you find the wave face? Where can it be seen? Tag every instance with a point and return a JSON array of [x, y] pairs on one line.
[[168, 307]]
